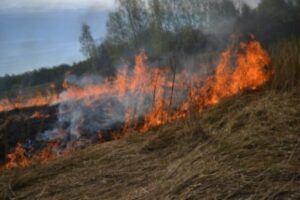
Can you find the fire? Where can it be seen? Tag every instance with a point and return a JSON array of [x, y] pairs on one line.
[[249, 73], [74, 92], [48, 152], [19, 102], [152, 96], [39, 115], [18, 158]]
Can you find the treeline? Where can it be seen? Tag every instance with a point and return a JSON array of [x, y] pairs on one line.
[[41, 79], [168, 27], [196, 26]]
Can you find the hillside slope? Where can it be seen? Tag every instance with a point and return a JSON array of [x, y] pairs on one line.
[[246, 147]]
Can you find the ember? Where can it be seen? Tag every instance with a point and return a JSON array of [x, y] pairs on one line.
[[39, 115]]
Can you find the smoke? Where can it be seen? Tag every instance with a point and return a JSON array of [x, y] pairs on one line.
[[78, 118], [252, 3], [95, 115]]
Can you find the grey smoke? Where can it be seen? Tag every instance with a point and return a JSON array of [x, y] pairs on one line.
[[77, 119]]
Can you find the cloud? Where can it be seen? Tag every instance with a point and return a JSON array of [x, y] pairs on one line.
[[42, 5], [38, 5]]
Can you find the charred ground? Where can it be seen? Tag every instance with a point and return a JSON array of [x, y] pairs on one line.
[[246, 147], [24, 126], [21, 125]]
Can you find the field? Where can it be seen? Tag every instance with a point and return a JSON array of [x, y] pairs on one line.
[[189, 99], [247, 147]]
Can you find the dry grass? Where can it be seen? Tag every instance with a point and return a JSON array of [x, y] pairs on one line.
[[248, 147], [286, 64]]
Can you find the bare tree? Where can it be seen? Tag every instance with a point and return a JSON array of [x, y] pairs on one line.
[[88, 46]]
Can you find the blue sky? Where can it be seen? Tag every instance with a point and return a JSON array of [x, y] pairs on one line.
[[36, 33]]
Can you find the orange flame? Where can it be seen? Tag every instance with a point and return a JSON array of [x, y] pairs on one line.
[[159, 97], [39, 100], [48, 152], [18, 158], [249, 73], [39, 115]]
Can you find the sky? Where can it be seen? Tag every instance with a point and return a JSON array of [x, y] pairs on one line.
[[36, 33], [252, 3], [43, 5], [43, 33]]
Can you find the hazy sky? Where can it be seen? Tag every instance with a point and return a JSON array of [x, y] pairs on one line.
[[252, 3], [38, 5], [44, 33]]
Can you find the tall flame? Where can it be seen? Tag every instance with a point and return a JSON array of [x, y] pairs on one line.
[[250, 71]]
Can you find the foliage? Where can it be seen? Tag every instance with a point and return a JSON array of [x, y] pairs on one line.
[[169, 26], [272, 21], [11, 85]]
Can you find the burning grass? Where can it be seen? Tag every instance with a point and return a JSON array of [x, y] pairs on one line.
[[199, 138], [146, 97], [247, 147]]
